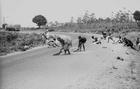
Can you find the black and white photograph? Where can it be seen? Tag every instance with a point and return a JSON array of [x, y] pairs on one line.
[[69, 44]]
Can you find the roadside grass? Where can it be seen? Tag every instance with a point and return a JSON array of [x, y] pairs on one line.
[[13, 42]]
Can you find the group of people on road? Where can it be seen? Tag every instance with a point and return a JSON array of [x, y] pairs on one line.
[[66, 42], [123, 40], [108, 35], [50, 40]]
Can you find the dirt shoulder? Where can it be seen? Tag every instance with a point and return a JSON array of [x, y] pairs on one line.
[[119, 69]]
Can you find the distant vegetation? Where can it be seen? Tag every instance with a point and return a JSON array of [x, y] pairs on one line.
[[123, 20]]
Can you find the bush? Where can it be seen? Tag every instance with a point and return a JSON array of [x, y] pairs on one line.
[[11, 37]]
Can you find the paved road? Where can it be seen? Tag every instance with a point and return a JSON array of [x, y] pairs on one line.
[[38, 69]]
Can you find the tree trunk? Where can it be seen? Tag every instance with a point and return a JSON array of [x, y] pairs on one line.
[[138, 23], [39, 26]]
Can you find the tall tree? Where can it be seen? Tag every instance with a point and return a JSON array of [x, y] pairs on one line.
[[92, 18], [79, 22], [0, 13], [123, 15], [136, 15], [86, 18], [40, 20]]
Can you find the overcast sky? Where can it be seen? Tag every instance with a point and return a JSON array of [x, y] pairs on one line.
[[22, 11]]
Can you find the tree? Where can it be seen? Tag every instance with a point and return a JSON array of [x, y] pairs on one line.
[[136, 15], [72, 20], [79, 22], [86, 18], [107, 19], [39, 20], [123, 15], [92, 18]]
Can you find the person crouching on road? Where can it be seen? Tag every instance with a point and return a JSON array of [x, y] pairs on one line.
[[110, 37], [104, 35], [120, 40], [128, 43], [95, 39], [138, 43], [66, 43]]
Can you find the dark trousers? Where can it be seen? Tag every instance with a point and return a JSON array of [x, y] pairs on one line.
[[80, 46]]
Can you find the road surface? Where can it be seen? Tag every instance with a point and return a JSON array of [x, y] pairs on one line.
[[96, 68]]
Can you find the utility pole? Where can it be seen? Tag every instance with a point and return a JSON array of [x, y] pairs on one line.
[[0, 13]]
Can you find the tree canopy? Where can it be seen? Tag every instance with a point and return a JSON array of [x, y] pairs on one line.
[[39, 20], [136, 15]]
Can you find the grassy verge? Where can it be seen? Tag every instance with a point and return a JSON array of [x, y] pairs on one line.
[[13, 42]]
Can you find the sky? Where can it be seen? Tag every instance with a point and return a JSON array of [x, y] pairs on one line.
[[22, 11]]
